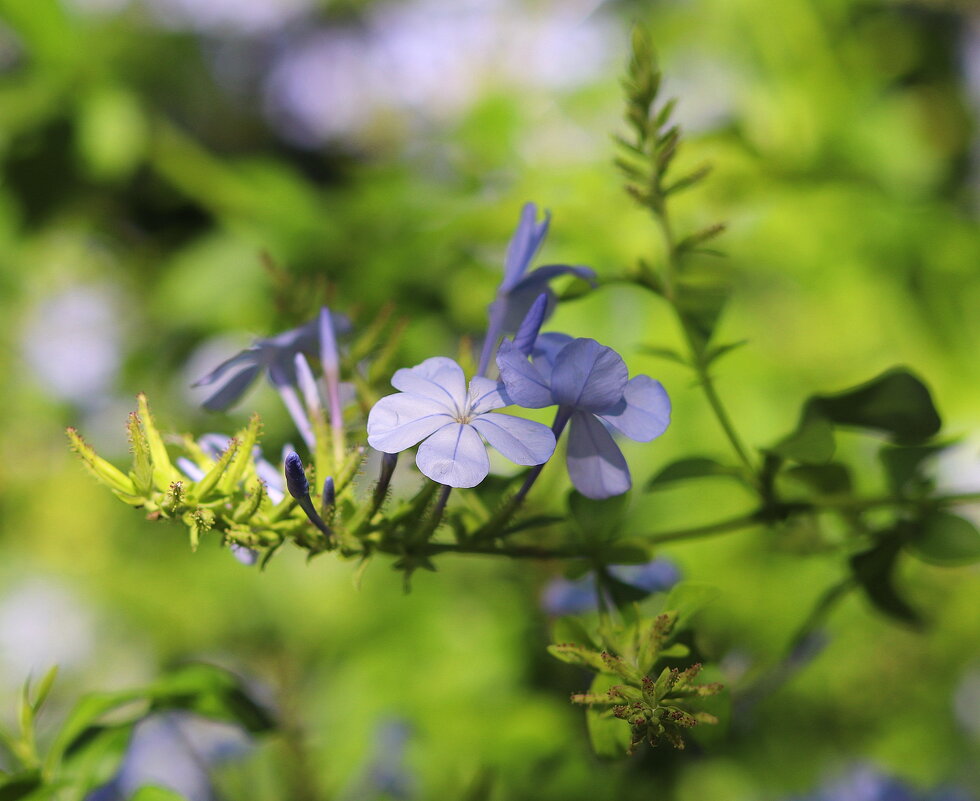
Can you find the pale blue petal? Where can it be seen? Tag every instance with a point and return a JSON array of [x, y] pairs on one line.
[[644, 412], [548, 346], [454, 455], [523, 295], [402, 420], [588, 376], [527, 331], [540, 277], [249, 357], [524, 244], [439, 379], [521, 441], [486, 394], [523, 381], [595, 463], [232, 390]]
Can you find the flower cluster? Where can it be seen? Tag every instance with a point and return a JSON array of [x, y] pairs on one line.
[[588, 382]]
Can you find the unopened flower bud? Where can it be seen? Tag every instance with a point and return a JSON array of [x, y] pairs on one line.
[[296, 481]]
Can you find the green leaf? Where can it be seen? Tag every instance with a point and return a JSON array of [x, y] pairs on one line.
[[88, 713], [106, 473], [903, 464], [163, 471], [44, 687], [20, 785], [824, 479], [599, 521], [666, 353], [609, 736], [156, 794], [874, 571], [142, 472], [247, 438], [715, 352], [701, 305], [700, 237], [688, 598], [210, 481], [571, 630], [811, 443], [692, 467], [213, 692], [896, 402], [626, 552], [946, 539], [576, 654]]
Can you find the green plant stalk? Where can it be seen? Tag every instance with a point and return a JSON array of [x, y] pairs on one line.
[[660, 213]]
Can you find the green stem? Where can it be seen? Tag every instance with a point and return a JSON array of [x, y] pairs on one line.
[[860, 504], [697, 532], [695, 353]]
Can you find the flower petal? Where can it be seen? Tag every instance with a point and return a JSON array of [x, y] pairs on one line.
[[595, 463], [439, 379], [643, 413], [524, 244], [251, 356], [400, 421], [232, 390], [588, 376], [486, 394], [523, 381], [454, 455], [522, 441]]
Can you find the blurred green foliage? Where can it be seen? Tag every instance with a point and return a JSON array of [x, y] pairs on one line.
[[843, 139]]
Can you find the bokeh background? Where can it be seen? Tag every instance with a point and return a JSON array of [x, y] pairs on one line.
[[151, 151]]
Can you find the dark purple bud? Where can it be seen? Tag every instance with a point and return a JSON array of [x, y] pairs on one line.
[[329, 495], [388, 462], [527, 333], [296, 481]]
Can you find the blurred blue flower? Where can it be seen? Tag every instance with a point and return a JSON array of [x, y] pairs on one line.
[[591, 386], [274, 355], [564, 597], [867, 783], [519, 289], [385, 775], [175, 751], [434, 405]]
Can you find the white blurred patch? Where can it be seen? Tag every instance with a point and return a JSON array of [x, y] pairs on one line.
[[957, 470], [431, 59], [246, 17], [42, 624], [72, 342], [97, 6], [966, 702]]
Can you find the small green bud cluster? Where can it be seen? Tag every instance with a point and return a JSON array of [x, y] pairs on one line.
[[655, 709]]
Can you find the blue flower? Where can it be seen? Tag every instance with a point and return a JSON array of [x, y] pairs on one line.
[[519, 289], [592, 388], [564, 597], [435, 405], [176, 751], [275, 355]]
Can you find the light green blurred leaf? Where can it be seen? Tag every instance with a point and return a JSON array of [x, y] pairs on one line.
[[688, 598], [156, 794], [610, 737]]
